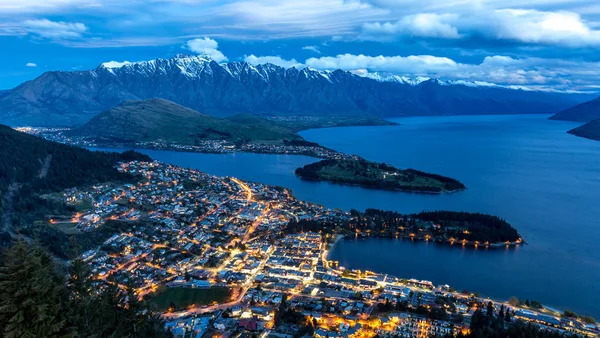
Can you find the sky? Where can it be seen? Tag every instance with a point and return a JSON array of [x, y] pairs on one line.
[[552, 44]]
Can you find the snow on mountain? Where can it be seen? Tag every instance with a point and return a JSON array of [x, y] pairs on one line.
[[197, 82]]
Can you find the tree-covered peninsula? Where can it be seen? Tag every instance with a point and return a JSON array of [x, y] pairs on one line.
[[473, 229], [377, 175]]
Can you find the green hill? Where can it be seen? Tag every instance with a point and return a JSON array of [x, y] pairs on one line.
[[158, 119], [589, 130]]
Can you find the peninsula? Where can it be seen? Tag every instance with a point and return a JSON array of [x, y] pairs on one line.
[[164, 125], [192, 247], [461, 228], [590, 130], [377, 175]]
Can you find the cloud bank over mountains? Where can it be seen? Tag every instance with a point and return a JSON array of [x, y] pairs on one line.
[[534, 43]]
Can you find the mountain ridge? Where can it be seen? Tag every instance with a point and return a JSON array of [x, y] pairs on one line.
[[590, 130], [159, 119], [60, 98], [584, 112]]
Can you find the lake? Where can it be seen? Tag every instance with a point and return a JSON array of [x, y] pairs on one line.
[[523, 168]]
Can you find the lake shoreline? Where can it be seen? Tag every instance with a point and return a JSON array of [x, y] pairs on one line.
[[383, 189], [523, 168], [456, 244]]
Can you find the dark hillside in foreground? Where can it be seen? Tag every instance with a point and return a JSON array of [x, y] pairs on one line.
[[46, 165], [30, 166]]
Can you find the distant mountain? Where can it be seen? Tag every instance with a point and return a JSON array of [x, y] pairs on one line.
[[584, 112], [589, 130], [158, 119], [72, 98]]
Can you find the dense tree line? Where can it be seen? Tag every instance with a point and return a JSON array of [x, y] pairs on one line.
[[36, 300], [364, 173], [499, 324], [23, 156], [479, 227], [37, 166], [450, 183]]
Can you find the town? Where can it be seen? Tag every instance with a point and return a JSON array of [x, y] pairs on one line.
[[201, 146], [214, 256]]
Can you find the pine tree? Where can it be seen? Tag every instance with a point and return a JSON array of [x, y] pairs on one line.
[[507, 316], [32, 294]]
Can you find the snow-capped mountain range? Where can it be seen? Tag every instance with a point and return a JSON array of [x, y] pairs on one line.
[[71, 98]]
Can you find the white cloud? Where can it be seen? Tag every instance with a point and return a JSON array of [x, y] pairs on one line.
[[208, 47], [499, 69], [30, 64], [38, 6], [314, 49], [394, 64], [308, 18], [276, 60], [426, 25], [54, 29], [528, 26], [532, 26]]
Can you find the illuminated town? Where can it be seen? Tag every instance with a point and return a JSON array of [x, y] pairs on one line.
[[202, 146], [215, 256]]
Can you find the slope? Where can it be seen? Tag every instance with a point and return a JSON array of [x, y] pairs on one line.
[[163, 120], [589, 130], [584, 112], [72, 98], [30, 166]]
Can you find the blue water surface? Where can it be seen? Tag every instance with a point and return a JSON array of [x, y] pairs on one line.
[[523, 168]]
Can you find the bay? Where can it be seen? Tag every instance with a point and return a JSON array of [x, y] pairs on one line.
[[523, 168]]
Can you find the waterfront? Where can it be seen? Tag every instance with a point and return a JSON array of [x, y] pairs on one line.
[[523, 168]]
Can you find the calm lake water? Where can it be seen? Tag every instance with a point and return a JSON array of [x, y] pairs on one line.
[[524, 168]]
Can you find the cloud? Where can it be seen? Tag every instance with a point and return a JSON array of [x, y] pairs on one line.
[[276, 60], [208, 47], [428, 25], [45, 6], [30, 64], [525, 26], [314, 49], [54, 29], [393, 64], [532, 26], [499, 69]]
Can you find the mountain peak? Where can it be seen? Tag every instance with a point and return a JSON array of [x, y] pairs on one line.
[[223, 89]]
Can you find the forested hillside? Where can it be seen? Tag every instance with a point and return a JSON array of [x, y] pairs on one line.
[[30, 166]]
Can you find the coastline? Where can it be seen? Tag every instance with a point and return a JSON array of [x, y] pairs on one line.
[[338, 238], [463, 243], [384, 189]]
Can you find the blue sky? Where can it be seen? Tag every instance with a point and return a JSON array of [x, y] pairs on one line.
[[537, 43]]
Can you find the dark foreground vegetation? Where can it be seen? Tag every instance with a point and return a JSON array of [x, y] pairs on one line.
[[36, 300], [493, 323], [443, 226], [30, 167], [377, 175]]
